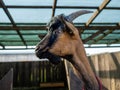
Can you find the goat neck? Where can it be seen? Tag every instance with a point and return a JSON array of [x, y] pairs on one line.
[[80, 61], [81, 64]]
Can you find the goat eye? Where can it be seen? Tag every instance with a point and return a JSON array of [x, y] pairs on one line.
[[57, 32]]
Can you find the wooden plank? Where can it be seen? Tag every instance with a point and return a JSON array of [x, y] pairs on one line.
[[19, 78], [116, 57], [59, 7], [94, 63], [102, 36], [23, 74], [107, 70], [61, 69], [67, 74], [104, 27], [115, 41], [48, 66], [34, 73], [54, 68], [58, 73], [51, 73], [37, 73], [101, 68], [96, 13], [113, 72], [44, 72], [15, 74], [54, 7], [26, 74], [93, 36], [59, 84]]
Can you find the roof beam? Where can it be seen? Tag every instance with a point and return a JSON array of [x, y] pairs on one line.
[[97, 12], [7, 12], [23, 28], [77, 24], [93, 36], [44, 28], [59, 7], [102, 36], [114, 42], [39, 40], [54, 7], [12, 21], [43, 34], [117, 40], [105, 34]]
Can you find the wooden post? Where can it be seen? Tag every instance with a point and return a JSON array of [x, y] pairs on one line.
[[67, 74]]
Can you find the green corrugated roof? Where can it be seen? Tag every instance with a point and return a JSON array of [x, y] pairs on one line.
[[21, 21]]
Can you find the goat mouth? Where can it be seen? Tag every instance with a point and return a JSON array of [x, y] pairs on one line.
[[40, 54], [51, 57]]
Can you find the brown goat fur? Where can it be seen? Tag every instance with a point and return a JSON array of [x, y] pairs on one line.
[[63, 40]]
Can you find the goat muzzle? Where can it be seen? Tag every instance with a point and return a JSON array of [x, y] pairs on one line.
[[44, 53]]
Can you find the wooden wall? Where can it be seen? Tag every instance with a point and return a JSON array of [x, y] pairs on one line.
[[29, 71], [106, 66], [34, 73]]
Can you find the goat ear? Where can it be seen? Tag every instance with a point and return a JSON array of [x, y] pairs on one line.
[[70, 27], [67, 26]]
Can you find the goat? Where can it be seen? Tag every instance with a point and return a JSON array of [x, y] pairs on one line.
[[63, 41]]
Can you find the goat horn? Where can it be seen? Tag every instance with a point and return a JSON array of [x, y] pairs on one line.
[[74, 15]]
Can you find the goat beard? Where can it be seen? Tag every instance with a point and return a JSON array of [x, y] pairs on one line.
[[51, 57]]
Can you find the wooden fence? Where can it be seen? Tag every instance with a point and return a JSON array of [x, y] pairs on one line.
[[6, 83], [31, 74], [35, 74], [106, 66]]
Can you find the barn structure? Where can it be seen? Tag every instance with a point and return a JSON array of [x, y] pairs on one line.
[[23, 25]]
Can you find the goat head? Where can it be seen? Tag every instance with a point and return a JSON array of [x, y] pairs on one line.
[[56, 43]]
